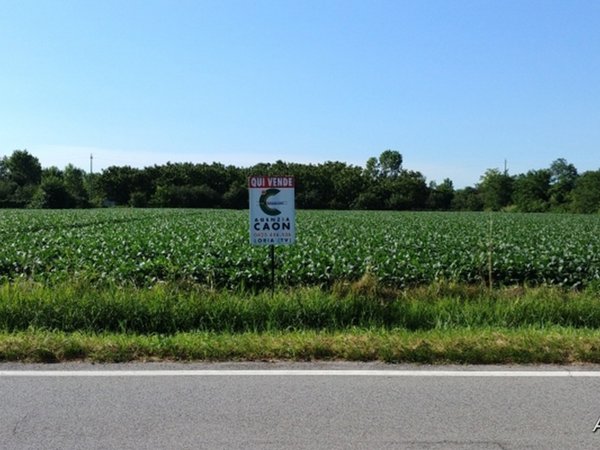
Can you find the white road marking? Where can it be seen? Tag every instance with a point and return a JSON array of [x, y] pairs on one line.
[[304, 373]]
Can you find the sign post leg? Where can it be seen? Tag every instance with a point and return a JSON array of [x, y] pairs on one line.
[[272, 250]]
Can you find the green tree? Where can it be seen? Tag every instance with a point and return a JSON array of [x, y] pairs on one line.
[[7, 187], [586, 194], [7, 194], [372, 168], [138, 199], [117, 183], [52, 192], [186, 196], [74, 181], [531, 191], [496, 189], [407, 191], [467, 199], [348, 183], [21, 174], [93, 189], [236, 196], [3, 170], [23, 168], [368, 200], [441, 196], [390, 163], [314, 189], [563, 178]]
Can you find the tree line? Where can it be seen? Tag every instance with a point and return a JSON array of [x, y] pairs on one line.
[[383, 184]]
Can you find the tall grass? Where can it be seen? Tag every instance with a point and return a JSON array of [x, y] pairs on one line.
[[169, 309]]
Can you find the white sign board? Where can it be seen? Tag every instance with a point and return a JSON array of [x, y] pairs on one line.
[[272, 210]]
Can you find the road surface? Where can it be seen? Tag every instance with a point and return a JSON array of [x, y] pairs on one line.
[[312, 406]]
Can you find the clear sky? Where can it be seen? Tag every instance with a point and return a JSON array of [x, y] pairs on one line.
[[455, 86]]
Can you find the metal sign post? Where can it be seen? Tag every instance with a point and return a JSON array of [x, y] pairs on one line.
[[272, 213], [272, 251]]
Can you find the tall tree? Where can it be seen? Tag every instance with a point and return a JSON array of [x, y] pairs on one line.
[[7, 187], [467, 199], [117, 183], [563, 178], [441, 196], [3, 169], [408, 191], [586, 194], [496, 189], [372, 168], [347, 182], [74, 181], [22, 174], [531, 191], [390, 163], [23, 168], [52, 193]]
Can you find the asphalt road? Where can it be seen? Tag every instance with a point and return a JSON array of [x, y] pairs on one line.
[[408, 411]]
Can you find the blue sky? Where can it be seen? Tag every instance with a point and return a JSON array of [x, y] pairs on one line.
[[455, 86]]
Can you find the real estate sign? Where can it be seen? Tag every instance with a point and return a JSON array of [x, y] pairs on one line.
[[272, 210]]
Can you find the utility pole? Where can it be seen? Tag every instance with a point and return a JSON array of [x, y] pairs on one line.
[[505, 167], [91, 163]]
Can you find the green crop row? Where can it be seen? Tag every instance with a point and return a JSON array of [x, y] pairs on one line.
[[211, 248]]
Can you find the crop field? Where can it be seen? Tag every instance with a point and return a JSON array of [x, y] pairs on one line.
[[136, 284], [211, 247]]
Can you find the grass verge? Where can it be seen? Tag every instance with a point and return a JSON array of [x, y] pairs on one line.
[[440, 323], [556, 345]]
